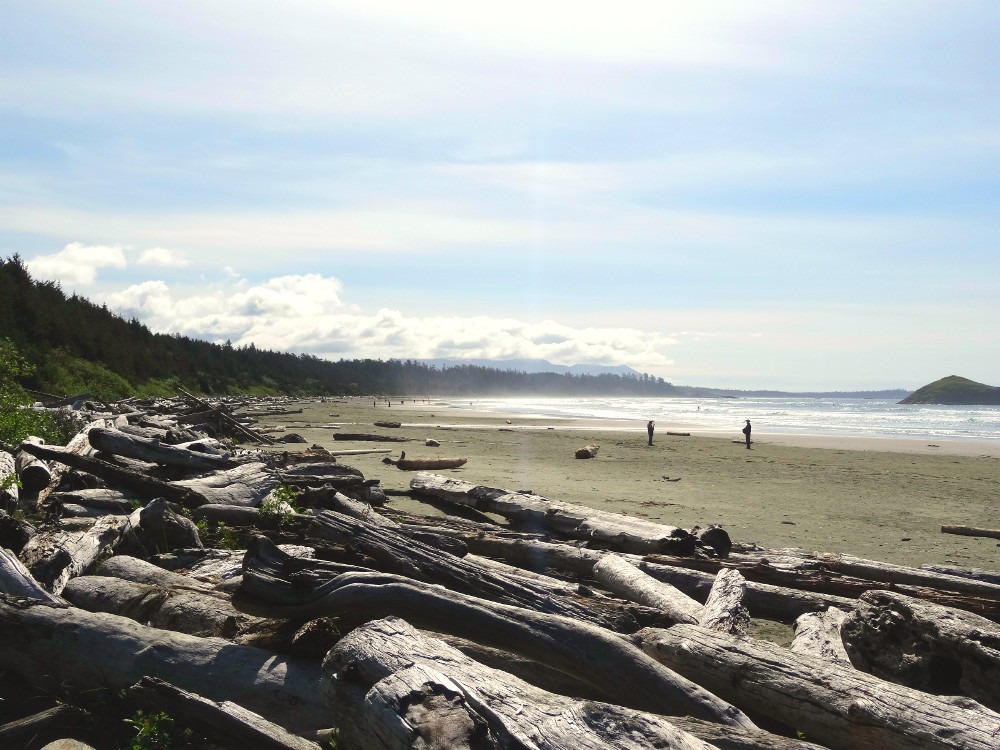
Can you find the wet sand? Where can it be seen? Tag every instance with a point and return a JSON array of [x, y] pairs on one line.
[[883, 499]]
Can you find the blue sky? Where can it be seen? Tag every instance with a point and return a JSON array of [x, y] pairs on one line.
[[796, 195]]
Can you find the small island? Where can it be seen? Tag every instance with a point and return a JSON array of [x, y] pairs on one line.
[[955, 391]]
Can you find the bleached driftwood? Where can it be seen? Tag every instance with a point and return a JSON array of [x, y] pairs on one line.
[[182, 610], [66, 651], [818, 634], [925, 646], [15, 580], [843, 708], [154, 451], [54, 556], [724, 610], [247, 485], [397, 688], [33, 473], [395, 553], [623, 533], [588, 652], [626, 580], [222, 721]]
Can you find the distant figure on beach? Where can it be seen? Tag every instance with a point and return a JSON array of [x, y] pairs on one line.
[[746, 431], [649, 428]]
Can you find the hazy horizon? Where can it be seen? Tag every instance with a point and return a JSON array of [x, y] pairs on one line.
[[778, 195]]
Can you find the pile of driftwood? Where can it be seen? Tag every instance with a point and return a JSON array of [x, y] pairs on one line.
[[276, 600]]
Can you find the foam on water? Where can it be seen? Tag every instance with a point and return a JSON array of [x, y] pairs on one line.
[[797, 415]]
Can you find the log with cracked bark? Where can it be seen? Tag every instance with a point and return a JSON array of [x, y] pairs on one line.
[[56, 555], [119, 443], [68, 652], [623, 533], [395, 553], [926, 646], [838, 706], [590, 653], [400, 689]]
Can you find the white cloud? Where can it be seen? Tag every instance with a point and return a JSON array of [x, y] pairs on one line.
[[163, 257], [307, 314], [77, 263]]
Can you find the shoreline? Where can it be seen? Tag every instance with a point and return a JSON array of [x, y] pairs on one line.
[[522, 421], [877, 498]]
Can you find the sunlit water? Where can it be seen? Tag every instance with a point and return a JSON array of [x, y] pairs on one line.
[[809, 416]]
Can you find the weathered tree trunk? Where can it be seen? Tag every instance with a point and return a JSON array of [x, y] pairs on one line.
[[971, 531], [369, 438], [9, 495], [33, 472], [133, 569], [402, 555], [119, 443], [182, 610], [626, 580], [838, 575], [15, 580], [880, 572], [724, 610], [69, 652], [119, 476], [978, 574], [162, 529], [818, 634], [590, 653], [623, 533], [221, 721], [399, 689], [99, 498], [55, 556], [246, 485], [840, 707], [44, 727], [925, 646]]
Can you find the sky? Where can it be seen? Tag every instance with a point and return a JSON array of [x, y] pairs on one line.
[[776, 194]]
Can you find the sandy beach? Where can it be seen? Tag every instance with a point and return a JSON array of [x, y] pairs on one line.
[[879, 498]]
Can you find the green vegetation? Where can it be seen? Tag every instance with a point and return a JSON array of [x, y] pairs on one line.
[[956, 391], [282, 505], [153, 731], [16, 421], [80, 347]]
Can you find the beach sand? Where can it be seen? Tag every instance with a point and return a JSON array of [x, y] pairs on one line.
[[882, 499]]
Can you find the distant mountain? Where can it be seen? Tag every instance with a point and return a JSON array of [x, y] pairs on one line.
[[531, 365], [956, 391]]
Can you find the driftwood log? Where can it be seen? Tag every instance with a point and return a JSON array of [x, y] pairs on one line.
[[971, 531], [154, 451], [399, 689], [66, 651], [588, 652], [626, 580], [15, 580], [117, 476], [724, 610], [220, 721], [840, 707], [33, 473], [818, 634], [926, 646], [56, 555], [623, 533], [394, 553]]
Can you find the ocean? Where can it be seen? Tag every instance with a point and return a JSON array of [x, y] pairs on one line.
[[795, 415]]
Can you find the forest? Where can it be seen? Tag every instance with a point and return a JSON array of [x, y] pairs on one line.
[[77, 346]]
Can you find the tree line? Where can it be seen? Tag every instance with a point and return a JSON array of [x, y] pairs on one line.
[[75, 345]]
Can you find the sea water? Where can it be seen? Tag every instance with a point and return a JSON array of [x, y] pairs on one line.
[[789, 415]]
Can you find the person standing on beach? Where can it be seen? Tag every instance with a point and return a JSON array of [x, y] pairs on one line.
[[649, 429], [746, 431]]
